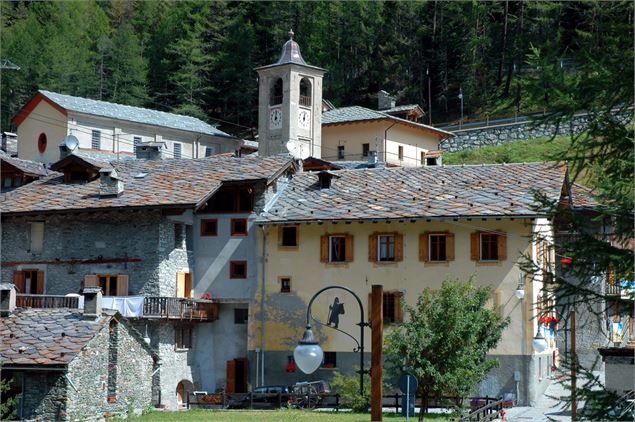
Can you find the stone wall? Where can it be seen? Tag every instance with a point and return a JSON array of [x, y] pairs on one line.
[[144, 238], [88, 396], [508, 132], [44, 397]]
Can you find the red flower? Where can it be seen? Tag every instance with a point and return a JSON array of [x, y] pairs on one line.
[[207, 296]]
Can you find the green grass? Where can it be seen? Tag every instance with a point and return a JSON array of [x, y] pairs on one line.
[[270, 416], [540, 149]]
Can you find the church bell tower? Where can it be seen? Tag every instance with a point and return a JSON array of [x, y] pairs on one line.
[[290, 105]]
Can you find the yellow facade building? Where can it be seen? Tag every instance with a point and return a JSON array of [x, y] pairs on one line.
[[407, 229]]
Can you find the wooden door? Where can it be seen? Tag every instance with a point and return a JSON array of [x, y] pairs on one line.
[[231, 376], [242, 375]]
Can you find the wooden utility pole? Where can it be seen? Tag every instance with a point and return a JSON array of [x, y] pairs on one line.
[[377, 353], [574, 363]]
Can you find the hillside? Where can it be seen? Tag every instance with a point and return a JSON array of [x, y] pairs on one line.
[[542, 149]]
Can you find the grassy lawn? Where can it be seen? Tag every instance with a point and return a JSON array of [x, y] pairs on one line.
[[540, 149], [270, 416]]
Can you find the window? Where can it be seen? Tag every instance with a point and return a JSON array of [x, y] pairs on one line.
[[386, 251], [285, 284], [36, 236], [337, 249], [178, 236], [95, 142], [275, 95], [400, 153], [392, 309], [177, 150], [288, 236], [239, 227], [183, 337], [238, 269], [436, 247], [183, 284], [209, 151], [29, 281], [438, 250], [423, 158], [241, 315], [330, 360], [488, 247], [111, 284], [137, 140], [365, 150], [431, 161], [189, 237], [305, 92], [340, 152], [209, 227], [231, 200], [41, 143]]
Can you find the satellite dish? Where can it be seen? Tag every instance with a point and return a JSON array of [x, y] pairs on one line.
[[71, 142]]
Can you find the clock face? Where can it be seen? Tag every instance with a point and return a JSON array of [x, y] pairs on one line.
[[304, 119], [275, 118]]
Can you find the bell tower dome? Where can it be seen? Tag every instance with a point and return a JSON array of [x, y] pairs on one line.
[[290, 105]]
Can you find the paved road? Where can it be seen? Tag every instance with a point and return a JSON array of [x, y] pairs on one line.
[[546, 408]]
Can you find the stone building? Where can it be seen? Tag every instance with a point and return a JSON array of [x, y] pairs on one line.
[[155, 236], [49, 117], [67, 364], [15, 172]]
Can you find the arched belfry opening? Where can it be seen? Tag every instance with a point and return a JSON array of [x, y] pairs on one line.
[[305, 92], [276, 93]]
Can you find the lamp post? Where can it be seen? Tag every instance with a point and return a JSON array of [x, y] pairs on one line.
[[520, 289], [308, 354], [461, 98]]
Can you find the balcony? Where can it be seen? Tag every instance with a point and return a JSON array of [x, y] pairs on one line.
[[624, 290], [154, 307]]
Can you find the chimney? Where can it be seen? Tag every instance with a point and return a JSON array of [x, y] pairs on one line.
[[372, 158], [9, 143], [7, 299], [109, 183], [150, 151], [92, 302], [325, 178], [385, 100]]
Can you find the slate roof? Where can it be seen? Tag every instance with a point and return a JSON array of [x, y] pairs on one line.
[[352, 165], [352, 114], [583, 197], [402, 108], [167, 183], [46, 336], [32, 168], [133, 114], [418, 192]]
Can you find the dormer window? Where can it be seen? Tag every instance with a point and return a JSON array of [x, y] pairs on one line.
[[305, 92], [275, 96], [325, 179]]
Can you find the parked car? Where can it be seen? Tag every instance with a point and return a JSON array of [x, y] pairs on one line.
[[263, 397]]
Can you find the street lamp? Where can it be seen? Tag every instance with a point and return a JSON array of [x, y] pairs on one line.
[[520, 289], [461, 98], [539, 342], [308, 354]]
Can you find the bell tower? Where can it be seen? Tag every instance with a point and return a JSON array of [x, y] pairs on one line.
[[290, 105]]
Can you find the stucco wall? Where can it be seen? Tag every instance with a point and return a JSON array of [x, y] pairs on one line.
[[352, 136], [43, 119]]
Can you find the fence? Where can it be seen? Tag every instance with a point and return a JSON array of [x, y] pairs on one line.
[[46, 301]]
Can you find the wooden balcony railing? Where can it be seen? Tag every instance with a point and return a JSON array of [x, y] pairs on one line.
[[46, 301], [613, 289], [153, 306], [305, 100], [180, 308]]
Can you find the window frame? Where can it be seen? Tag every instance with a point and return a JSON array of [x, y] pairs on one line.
[[232, 270], [445, 247], [332, 361], [137, 140], [177, 150], [206, 233], [282, 281], [234, 231], [343, 252], [107, 287], [341, 152], [281, 243], [400, 152], [182, 337], [365, 150], [42, 143], [95, 139], [179, 235], [394, 247], [241, 319], [494, 248]]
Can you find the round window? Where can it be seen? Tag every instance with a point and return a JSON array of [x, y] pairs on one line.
[[41, 143]]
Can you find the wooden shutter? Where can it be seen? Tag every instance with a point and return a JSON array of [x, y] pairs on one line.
[[475, 246], [423, 247], [398, 247], [180, 284], [372, 247], [449, 246], [370, 306], [91, 280], [19, 281], [349, 248], [502, 246], [231, 376], [122, 285], [39, 289], [397, 296], [324, 248]]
